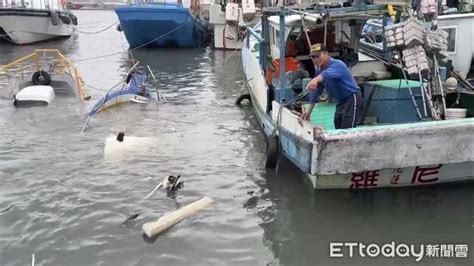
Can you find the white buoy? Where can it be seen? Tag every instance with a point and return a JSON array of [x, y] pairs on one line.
[[165, 222], [121, 145]]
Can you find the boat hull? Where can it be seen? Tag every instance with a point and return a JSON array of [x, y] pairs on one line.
[[26, 26], [164, 25], [132, 93], [397, 177]]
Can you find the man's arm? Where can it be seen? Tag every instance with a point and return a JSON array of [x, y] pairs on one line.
[[313, 99], [313, 84]]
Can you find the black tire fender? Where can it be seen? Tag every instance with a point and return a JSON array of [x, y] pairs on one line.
[[41, 78], [242, 97], [272, 151]]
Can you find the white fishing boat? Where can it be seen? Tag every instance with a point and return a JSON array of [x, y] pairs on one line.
[[35, 20], [410, 141]]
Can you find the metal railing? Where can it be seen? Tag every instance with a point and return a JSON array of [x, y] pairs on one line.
[[49, 60]]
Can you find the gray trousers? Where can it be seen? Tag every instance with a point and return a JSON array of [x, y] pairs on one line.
[[349, 113]]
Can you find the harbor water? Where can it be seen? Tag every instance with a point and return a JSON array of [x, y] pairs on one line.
[[62, 201]]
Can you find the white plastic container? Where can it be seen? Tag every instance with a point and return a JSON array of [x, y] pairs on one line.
[[455, 113], [232, 12]]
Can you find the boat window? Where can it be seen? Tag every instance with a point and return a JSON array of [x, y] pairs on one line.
[[451, 38], [277, 38]]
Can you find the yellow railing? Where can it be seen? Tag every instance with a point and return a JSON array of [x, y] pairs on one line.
[[36, 61]]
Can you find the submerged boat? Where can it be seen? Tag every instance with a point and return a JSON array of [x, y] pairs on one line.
[[400, 143], [136, 90], [24, 24], [162, 25], [36, 79]]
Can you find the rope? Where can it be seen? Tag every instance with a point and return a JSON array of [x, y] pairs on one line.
[[92, 22], [136, 48], [233, 53], [97, 89], [99, 31], [97, 57], [156, 39]]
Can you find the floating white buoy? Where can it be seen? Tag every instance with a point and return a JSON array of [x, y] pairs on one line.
[[165, 222], [122, 145]]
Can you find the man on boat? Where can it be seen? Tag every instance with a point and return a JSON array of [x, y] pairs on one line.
[[334, 75]]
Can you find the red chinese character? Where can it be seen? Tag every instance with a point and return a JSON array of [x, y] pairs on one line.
[[364, 179], [420, 174]]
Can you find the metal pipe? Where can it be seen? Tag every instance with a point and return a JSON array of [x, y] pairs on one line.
[[305, 31], [255, 34], [423, 94], [326, 21], [282, 45], [411, 92], [440, 84], [430, 104]]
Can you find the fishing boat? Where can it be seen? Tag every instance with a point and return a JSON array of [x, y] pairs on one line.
[[162, 24], [135, 90], [409, 139], [30, 22], [37, 78]]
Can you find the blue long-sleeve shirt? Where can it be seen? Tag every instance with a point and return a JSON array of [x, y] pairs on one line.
[[338, 81]]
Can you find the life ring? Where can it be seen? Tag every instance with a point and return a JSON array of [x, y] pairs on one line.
[[41, 78], [272, 151]]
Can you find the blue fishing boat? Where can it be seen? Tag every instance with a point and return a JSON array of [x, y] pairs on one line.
[[135, 91], [161, 25]]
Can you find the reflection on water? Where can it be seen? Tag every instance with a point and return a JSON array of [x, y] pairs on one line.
[[299, 224]]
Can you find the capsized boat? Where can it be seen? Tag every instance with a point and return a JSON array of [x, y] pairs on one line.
[[37, 78], [24, 24], [135, 90], [409, 140]]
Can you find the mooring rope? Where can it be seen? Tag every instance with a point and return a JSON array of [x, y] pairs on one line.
[[99, 31]]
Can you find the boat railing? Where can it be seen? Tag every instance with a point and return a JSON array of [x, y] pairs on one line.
[[50, 60]]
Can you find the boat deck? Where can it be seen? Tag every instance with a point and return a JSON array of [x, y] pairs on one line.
[[323, 115]]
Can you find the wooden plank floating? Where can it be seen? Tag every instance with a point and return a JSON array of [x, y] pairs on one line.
[[165, 222]]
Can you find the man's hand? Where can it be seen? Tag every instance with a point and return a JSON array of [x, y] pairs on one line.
[[313, 84], [305, 115]]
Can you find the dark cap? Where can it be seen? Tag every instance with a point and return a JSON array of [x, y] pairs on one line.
[[317, 48]]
